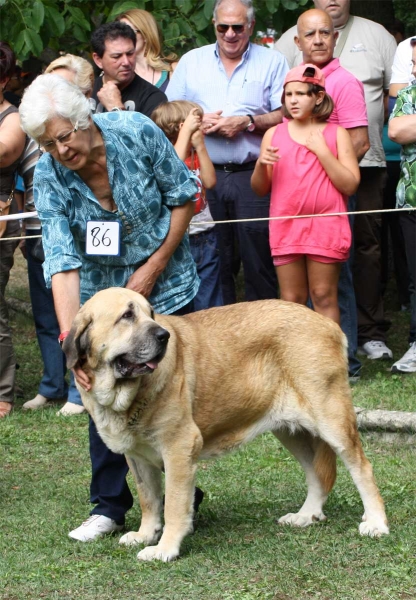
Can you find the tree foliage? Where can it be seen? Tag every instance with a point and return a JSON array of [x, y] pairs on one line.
[[31, 26]]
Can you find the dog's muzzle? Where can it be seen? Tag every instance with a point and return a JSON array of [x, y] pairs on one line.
[[132, 364]]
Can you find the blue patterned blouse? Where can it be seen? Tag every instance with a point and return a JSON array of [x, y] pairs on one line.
[[147, 179]]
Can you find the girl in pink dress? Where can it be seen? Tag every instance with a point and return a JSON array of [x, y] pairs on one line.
[[310, 168]]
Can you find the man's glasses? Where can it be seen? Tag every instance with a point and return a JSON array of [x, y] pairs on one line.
[[63, 139], [223, 28]]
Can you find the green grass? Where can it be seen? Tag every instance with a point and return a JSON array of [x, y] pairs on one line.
[[238, 552]]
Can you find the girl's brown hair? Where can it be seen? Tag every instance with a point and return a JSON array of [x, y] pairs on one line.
[[170, 115], [148, 27], [322, 111]]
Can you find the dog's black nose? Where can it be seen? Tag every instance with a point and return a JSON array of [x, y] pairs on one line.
[[162, 335]]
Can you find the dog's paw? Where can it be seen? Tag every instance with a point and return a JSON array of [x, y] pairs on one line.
[[158, 553], [375, 528], [134, 538], [301, 519]]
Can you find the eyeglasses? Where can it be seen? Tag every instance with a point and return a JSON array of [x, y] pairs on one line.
[[63, 139], [223, 28]]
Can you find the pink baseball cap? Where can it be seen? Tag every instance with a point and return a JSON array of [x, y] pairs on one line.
[[306, 74]]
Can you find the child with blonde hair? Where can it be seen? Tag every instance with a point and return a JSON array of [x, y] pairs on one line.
[[181, 123]]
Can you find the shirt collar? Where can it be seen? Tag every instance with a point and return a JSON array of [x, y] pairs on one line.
[[332, 66], [244, 56]]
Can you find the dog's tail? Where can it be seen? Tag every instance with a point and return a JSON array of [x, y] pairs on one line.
[[325, 465]]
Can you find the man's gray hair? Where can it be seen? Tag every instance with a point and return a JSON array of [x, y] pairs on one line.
[[247, 3], [51, 96]]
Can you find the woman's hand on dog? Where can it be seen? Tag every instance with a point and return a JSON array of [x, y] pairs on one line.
[[82, 378]]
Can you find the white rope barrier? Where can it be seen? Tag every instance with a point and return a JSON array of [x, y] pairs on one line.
[[336, 214], [19, 216]]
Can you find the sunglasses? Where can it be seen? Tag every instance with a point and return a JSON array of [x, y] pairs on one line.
[[223, 28]]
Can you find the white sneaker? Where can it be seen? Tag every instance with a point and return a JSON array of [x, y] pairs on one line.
[[375, 350], [37, 402], [69, 409], [407, 363], [94, 527]]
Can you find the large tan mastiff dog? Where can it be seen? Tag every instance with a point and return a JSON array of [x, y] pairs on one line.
[[167, 391]]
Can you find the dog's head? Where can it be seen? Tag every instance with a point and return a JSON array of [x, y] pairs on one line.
[[116, 330]]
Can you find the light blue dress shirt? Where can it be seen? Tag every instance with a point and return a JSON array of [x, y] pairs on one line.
[[147, 179], [254, 88]]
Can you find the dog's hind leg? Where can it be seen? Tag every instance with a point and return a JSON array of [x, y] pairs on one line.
[[319, 463], [149, 486], [374, 521]]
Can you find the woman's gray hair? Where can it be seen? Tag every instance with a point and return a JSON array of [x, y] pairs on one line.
[[247, 3], [51, 96]]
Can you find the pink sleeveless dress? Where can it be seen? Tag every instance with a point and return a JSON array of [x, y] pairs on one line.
[[300, 185]]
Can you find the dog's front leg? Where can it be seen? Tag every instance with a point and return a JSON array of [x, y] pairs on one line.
[[180, 468], [149, 488]]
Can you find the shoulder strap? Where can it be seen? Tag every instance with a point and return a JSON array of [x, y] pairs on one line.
[[8, 111], [343, 38]]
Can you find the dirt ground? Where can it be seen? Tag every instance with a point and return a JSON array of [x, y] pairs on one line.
[[18, 274]]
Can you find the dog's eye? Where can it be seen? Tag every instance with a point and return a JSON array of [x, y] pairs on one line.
[[129, 314], [152, 313]]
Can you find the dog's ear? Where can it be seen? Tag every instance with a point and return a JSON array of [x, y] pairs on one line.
[[77, 343]]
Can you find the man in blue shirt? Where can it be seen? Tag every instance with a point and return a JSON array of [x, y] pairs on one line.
[[239, 86]]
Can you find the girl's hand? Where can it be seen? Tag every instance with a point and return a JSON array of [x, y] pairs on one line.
[[269, 156], [192, 122], [315, 142], [197, 139]]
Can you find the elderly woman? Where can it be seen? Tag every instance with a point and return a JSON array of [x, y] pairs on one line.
[[402, 129], [53, 385], [12, 143], [115, 202]]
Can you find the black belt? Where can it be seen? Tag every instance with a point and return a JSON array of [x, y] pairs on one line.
[[234, 167]]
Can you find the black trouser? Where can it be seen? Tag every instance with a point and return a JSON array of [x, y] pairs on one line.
[[367, 257], [408, 224], [109, 490], [391, 230], [233, 198]]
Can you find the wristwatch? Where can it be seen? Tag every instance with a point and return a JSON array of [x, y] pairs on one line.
[[251, 126]]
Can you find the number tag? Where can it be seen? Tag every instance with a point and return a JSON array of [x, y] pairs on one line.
[[103, 238]]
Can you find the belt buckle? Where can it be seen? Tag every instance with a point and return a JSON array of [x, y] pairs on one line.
[[227, 168]]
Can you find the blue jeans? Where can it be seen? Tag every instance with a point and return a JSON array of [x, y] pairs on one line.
[[53, 384], [109, 490], [346, 302], [205, 252]]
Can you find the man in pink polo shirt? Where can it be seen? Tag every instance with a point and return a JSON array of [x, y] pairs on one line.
[[316, 39]]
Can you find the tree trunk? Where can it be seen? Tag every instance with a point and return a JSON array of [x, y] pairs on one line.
[[386, 420]]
